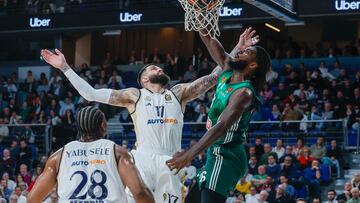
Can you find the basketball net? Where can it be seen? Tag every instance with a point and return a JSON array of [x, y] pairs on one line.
[[204, 20]]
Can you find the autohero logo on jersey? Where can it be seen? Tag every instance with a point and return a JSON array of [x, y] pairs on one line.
[[343, 5], [162, 121], [126, 17], [37, 22]]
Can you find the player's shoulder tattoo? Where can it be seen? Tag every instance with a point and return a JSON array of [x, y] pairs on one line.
[[124, 97]]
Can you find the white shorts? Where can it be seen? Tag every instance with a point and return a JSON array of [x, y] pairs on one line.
[[166, 186]]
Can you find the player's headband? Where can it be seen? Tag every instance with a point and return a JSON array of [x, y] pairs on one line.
[[141, 72]]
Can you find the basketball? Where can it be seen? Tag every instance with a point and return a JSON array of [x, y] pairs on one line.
[[204, 4]]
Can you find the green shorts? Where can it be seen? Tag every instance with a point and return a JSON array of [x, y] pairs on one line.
[[225, 165]]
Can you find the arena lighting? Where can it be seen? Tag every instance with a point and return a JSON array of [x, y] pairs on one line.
[[111, 32], [272, 27]]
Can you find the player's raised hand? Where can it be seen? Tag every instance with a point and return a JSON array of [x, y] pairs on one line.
[[57, 60], [247, 39], [179, 161]]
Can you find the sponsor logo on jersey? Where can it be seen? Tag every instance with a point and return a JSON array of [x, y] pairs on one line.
[[162, 121], [148, 104], [148, 98], [223, 79], [168, 97], [91, 162], [86, 201], [229, 89]]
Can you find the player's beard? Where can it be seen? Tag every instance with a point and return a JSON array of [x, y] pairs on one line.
[[239, 65], [162, 79]]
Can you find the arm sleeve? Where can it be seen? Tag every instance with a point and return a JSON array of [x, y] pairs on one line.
[[85, 90]]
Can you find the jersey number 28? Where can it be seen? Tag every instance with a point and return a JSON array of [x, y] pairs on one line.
[[94, 184]]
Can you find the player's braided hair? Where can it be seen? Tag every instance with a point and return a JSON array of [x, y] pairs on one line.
[[263, 60], [89, 121]]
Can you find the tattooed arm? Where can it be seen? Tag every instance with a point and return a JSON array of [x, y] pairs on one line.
[[124, 98], [188, 91]]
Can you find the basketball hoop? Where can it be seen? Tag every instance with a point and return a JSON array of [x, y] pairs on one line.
[[202, 16]]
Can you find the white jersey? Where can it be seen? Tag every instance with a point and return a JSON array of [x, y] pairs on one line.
[[88, 173], [158, 121]]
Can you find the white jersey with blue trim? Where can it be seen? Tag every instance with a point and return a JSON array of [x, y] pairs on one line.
[[158, 121], [88, 173]]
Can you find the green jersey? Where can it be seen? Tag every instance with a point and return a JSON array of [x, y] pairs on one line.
[[237, 132]]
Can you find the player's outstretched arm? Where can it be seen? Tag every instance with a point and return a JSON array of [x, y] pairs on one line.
[[239, 101], [218, 52], [131, 177], [188, 91], [123, 98], [46, 181]]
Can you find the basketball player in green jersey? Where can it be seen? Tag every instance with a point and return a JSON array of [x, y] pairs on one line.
[[236, 96]]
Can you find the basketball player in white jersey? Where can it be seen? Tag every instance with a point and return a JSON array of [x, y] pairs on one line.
[[92, 169], [157, 114]]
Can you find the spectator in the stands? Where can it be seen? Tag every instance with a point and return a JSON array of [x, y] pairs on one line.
[[267, 152], [336, 156], [318, 150], [243, 186], [312, 177], [24, 172], [274, 115], [252, 152], [355, 196], [288, 152], [68, 104], [259, 148], [43, 84], [189, 73], [301, 89], [100, 84], [20, 197], [263, 196], [268, 186], [346, 195], [10, 183], [355, 181], [4, 130], [305, 158], [279, 149], [25, 153], [290, 114], [328, 114], [253, 166], [289, 169], [117, 79], [331, 197], [266, 93], [272, 168], [155, 57], [204, 68], [5, 190], [7, 162], [281, 93], [252, 197], [324, 71], [289, 189], [29, 82], [259, 179], [281, 196], [299, 146]]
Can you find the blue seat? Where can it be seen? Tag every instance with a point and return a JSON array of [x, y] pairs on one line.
[[325, 172], [301, 192]]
